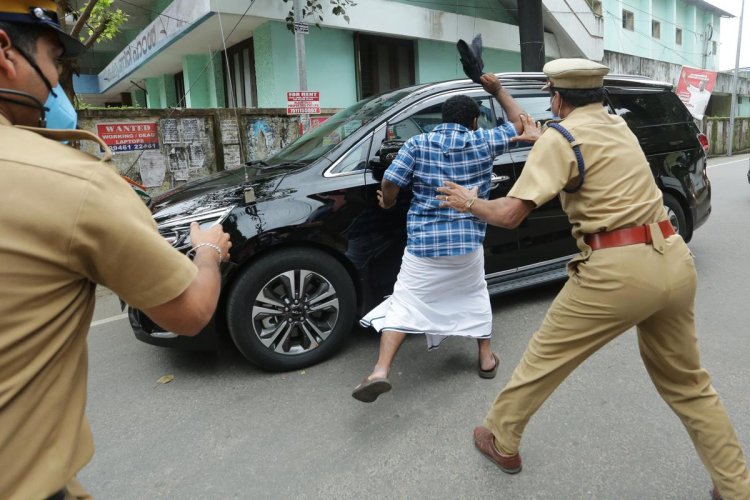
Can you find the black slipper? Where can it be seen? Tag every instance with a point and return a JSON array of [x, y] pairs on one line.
[[490, 373], [369, 390]]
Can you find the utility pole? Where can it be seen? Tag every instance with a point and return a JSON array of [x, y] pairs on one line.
[[299, 42], [531, 34], [733, 109]]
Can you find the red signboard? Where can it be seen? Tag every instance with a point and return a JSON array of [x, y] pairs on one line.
[[694, 89], [303, 103], [129, 136]]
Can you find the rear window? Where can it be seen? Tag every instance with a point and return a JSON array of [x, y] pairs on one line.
[[657, 117]]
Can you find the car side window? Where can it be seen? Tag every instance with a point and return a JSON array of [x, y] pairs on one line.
[[427, 118], [355, 159], [537, 106]]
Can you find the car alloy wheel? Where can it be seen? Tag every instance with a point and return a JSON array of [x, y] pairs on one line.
[[295, 312], [291, 308]]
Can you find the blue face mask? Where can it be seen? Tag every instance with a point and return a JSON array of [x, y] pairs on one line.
[[59, 112]]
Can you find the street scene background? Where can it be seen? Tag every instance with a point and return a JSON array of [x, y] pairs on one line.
[[224, 429]]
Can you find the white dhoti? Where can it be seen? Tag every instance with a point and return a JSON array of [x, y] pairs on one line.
[[438, 296]]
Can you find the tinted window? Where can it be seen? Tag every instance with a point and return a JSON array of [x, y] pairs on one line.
[[319, 141], [644, 109], [426, 119], [355, 159], [658, 118]]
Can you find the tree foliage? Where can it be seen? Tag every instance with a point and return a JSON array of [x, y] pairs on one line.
[[313, 10], [96, 21]]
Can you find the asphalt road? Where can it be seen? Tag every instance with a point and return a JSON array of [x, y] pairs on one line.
[[224, 429]]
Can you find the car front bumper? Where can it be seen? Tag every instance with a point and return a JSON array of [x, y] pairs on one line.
[[149, 332]]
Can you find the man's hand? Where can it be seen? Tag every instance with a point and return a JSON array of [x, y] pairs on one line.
[[491, 83], [531, 131], [456, 197], [381, 201], [214, 235]]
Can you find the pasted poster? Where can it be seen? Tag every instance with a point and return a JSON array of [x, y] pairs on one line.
[[232, 156], [128, 136], [191, 130], [152, 168], [694, 89], [230, 132], [170, 132], [179, 163], [197, 156]]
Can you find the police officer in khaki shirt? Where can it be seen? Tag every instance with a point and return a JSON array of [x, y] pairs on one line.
[[633, 270], [67, 223]]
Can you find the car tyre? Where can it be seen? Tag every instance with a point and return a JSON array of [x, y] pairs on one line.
[[676, 216], [276, 333]]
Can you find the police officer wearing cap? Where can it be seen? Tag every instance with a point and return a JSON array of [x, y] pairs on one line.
[[67, 223], [633, 270]]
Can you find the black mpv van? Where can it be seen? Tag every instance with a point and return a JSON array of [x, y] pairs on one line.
[[312, 251]]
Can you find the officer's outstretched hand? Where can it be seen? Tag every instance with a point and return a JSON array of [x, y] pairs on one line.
[[214, 235], [456, 197], [531, 130]]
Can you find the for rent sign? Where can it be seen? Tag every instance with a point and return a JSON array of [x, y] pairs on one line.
[[129, 136], [303, 103]]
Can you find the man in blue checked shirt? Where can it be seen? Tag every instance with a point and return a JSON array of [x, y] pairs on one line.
[[440, 290]]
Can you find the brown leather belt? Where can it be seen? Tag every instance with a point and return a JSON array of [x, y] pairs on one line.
[[628, 236]]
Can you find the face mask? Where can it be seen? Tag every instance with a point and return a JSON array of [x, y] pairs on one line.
[[555, 116], [60, 113], [57, 112]]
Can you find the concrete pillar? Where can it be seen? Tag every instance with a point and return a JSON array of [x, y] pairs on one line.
[[204, 81], [167, 92], [153, 96], [139, 98]]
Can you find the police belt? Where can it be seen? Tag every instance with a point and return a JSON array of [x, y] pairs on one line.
[[628, 236]]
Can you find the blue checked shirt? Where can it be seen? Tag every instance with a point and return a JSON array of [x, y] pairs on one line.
[[451, 152]]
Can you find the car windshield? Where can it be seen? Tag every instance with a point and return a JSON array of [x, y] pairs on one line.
[[335, 129]]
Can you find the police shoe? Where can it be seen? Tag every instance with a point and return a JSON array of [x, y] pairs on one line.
[[485, 443]]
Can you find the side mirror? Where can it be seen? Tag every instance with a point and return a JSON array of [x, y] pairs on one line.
[[385, 156]]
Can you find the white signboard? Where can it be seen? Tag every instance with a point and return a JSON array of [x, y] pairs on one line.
[[303, 103], [167, 27]]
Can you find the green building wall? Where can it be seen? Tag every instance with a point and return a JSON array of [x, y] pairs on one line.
[[437, 61], [483, 9], [330, 65], [204, 81]]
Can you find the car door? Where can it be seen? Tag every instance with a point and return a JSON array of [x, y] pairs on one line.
[[501, 245], [544, 237]]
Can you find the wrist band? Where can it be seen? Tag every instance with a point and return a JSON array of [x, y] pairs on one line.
[[470, 202], [210, 245]]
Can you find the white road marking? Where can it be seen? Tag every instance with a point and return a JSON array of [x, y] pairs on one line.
[[109, 320], [728, 163]]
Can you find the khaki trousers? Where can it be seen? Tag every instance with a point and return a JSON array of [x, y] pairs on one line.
[[615, 289]]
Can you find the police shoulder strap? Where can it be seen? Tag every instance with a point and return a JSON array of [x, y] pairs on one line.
[[577, 150], [72, 135]]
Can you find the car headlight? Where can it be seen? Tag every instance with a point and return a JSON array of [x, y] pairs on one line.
[[176, 230]]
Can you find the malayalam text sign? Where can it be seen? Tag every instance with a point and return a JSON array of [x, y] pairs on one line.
[[129, 136], [303, 103]]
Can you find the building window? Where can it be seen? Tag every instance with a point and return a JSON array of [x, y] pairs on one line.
[[628, 20], [179, 89], [678, 36], [714, 48], [239, 85], [656, 29], [383, 64]]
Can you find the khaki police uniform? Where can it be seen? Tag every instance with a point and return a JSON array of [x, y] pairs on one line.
[[67, 223], [648, 285]]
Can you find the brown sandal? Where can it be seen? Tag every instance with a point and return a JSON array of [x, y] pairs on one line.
[[490, 373], [369, 390]]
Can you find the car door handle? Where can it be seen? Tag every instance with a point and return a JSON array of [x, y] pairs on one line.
[[495, 180]]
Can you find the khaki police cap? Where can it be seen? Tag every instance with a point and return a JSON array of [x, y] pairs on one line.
[[574, 74], [42, 13]]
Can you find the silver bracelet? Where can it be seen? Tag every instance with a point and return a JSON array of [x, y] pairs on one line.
[[210, 245]]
